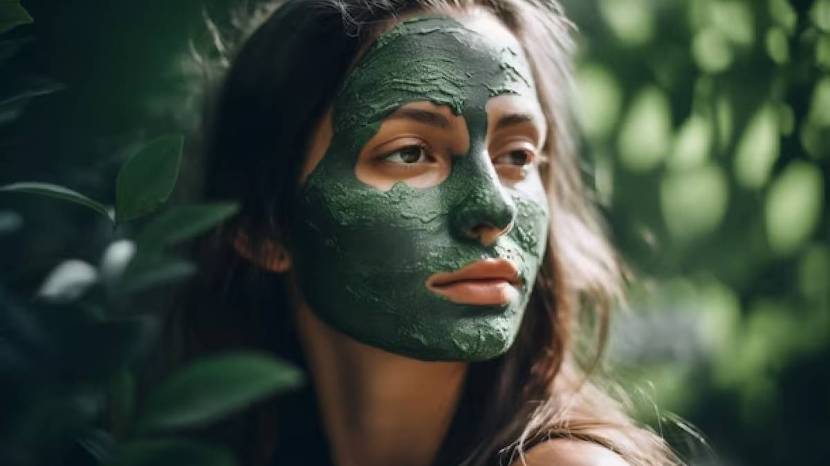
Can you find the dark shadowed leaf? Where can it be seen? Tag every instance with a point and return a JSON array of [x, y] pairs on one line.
[[14, 100], [60, 342], [172, 452], [33, 88], [57, 192], [183, 222], [147, 178], [214, 387], [149, 270], [12, 14]]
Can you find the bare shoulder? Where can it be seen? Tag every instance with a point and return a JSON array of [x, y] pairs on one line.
[[565, 452]]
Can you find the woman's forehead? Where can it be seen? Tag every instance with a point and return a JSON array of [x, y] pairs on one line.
[[438, 59]]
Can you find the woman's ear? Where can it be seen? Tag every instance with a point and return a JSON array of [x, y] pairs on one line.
[[271, 255]]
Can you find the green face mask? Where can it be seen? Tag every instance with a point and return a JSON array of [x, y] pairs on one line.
[[363, 255]]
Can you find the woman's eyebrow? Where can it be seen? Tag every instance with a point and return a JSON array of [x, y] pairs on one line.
[[512, 119], [421, 116]]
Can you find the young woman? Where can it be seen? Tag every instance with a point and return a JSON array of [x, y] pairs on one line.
[[413, 233]]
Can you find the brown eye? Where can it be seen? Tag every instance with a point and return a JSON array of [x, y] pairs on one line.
[[408, 155], [519, 158]]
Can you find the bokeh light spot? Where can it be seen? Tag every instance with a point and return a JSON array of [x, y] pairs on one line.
[[711, 51], [599, 100], [632, 21], [777, 47], [734, 20], [692, 144], [758, 148], [694, 202], [793, 207], [645, 135]]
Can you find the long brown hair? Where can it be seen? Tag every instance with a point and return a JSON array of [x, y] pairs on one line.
[[280, 82]]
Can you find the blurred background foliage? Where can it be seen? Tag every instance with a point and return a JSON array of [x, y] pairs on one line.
[[707, 123], [706, 134]]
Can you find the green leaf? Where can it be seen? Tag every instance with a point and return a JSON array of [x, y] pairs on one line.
[[13, 102], [147, 179], [211, 388], [149, 270], [57, 192], [183, 222], [12, 14], [172, 452], [68, 281], [32, 89]]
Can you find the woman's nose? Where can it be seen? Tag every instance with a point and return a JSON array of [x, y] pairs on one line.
[[487, 211]]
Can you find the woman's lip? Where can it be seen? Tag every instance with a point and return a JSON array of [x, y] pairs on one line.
[[485, 283]]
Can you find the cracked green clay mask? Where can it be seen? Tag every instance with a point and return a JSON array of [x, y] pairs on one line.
[[363, 254]]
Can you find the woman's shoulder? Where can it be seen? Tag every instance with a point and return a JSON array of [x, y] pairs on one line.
[[567, 452]]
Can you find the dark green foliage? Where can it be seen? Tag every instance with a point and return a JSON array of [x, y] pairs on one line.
[[707, 131], [147, 178], [68, 357], [57, 192], [212, 388], [12, 14]]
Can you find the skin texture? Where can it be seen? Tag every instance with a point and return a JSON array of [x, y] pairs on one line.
[[363, 251]]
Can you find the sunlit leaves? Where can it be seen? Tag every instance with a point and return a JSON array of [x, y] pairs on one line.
[[694, 201], [147, 179], [632, 21], [645, 135], [815, 134], [783, 14], [734, 19], [758, 148], [793, 207], [711, 51], [692, 143], [820, 14], [211, 388], [600, 99], [819, 113], [777, 46]]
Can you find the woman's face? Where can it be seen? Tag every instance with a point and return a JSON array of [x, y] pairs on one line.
[[422, 220]]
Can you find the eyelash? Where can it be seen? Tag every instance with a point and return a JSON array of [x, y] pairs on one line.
[[530, 156], [423, 148], [528, 150]]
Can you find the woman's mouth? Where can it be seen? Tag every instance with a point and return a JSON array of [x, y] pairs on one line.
[[488, 282]]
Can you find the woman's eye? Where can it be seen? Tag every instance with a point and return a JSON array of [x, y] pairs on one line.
[[408, 155], [519, 158]]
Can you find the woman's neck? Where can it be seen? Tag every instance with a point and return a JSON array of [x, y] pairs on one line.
[[378, 408]]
